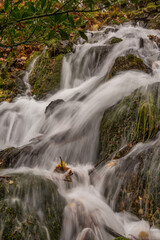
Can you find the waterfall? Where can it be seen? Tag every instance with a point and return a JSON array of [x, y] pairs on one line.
[[72, 132]]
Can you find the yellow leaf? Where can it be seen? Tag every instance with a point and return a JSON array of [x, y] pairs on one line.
[[95, 27], [62, 164], [11, 182]]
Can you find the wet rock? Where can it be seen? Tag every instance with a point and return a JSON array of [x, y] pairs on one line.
[[139, 189], [110, 29], [52, 106], [115, 40], [10, 156], [45, 76], [87, 234], [119, 123], [20, 84], [34, 202], [141, 43], [94, 58], [137, 166], [129, 62], [154, 39]]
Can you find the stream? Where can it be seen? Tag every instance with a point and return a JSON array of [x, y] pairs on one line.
[[71, 131]]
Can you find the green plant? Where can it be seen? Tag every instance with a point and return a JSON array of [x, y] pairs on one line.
[[35, 22], [147, 123]]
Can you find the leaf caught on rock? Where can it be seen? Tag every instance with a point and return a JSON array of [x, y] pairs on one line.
[[11, 182], [62, 167]]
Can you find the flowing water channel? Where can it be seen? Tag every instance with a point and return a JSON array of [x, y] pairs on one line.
[[72, 132]]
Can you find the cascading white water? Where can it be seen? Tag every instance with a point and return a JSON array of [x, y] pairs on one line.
[[71, 131], [26, 76]]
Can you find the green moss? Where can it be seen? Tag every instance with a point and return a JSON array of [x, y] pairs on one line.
[[133, 119], [116, 40], [19, 213], [147, 119], [129, 62], [45, 76], [30, 59], [8, 86], [151, 6], [117, 126]]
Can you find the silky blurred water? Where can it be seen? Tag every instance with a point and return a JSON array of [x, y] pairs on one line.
[[72, 130]]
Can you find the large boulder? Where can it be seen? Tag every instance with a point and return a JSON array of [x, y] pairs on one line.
[[129, 138], [123, 123], [45, 76], [128, 62], [135, 182], [31, 208]]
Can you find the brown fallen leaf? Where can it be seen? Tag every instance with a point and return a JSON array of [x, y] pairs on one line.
[[112, 163], [11, 182]]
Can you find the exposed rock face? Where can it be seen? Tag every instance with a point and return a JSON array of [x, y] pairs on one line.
[[52, 106], [136, 182], [10, 156]]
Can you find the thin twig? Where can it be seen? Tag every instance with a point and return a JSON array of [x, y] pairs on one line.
[[50, 14]]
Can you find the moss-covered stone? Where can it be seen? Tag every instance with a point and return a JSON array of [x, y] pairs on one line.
[[10, 156], [31, 208], [140, 189], [117, 125], [8, 86], [129, 62], [120, 124], [115, 40], [139, 170], [45, 76]]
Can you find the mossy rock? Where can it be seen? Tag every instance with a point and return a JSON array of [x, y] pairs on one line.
[[30, 209], [129, 62], [45, 76], [115, 40], [138, 170], [60, 47], [10, 156], [8, 86], [139, 174], [121, 126]]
